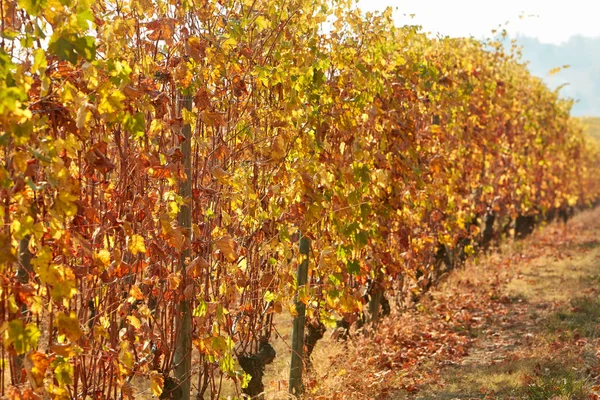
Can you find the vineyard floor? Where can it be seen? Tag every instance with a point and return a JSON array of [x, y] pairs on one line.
[[545, 342], [522, 322]]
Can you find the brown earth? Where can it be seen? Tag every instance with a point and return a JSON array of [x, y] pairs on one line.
[[520, 323]]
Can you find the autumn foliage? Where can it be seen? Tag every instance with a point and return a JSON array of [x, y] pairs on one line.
[[380, 144]]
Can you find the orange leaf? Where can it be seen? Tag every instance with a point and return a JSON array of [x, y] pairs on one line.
[[36, 364], [195, 268], [226, 246]]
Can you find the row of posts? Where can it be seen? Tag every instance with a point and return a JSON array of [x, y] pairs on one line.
[[184, 344]]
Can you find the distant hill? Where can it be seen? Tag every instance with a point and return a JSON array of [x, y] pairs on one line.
[[583, 75]]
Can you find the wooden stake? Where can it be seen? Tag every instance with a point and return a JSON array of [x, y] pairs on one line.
[[183, 346], [297, 364]]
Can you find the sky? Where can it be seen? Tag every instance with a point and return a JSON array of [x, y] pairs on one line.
[[551, 21]]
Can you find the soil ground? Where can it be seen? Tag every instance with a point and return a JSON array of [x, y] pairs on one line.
[[545, 345], [520, 323]]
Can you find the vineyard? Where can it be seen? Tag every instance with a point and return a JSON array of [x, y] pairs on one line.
[[177, 175]]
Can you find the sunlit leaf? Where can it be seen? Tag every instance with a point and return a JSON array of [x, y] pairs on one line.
[[226, 246], [136, 244], [68, 325]]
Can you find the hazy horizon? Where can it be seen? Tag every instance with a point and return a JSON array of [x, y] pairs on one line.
[[552, 34], [550, 22]]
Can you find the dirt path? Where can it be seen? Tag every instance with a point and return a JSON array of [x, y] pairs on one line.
[[544, 344], [520, 323]]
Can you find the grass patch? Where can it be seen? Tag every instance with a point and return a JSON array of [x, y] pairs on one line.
[[521, 379], [555, 280], [590, 244], [582, 317], [501, 379], [558, 385]]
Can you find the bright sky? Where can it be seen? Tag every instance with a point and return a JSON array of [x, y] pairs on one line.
[[552, 21]]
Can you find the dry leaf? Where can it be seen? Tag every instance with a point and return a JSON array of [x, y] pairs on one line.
[[278, 150], [188, 292], [226, 246], [36, 364], [195, 268]]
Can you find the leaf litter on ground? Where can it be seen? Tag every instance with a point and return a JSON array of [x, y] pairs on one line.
[[521, 322]]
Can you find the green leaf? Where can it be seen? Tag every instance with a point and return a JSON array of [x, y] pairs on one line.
[[361, 67], [5, 181], [136, 124], [34, 186], [11, 97], [63, 49], [218, 344], [69, 48], [200, 310], [22, 338], [84, 15], [353, 267], [39, 60], [227, 364], [63, 370], [10, 34], [86, 47], [362, 239]]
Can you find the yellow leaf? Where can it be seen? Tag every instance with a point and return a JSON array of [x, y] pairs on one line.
[[19, 161], [174, 236], [135, 294], [134, 321], [261, 23], [278, 150], [292, 309], [157, 382], [83, 116], [126, 358], [229, 43], [220, 175], [556, 70], [349, 304], [327, 258], [69, 326], [136, 244], [102, 258], [225, 244]]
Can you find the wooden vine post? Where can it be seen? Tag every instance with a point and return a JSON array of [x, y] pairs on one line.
[[297, 363], [24, 261], [183, 345], [23, 271], [375, 301]]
